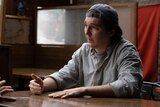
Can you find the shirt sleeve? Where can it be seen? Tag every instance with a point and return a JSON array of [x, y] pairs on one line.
[[68, 76], [129, 69]]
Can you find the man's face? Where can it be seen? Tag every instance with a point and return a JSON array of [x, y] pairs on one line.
[[95, 32]]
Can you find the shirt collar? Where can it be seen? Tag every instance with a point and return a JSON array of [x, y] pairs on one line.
[[108, 50]]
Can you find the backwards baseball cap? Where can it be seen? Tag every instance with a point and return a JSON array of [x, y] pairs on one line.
[[106, 13]]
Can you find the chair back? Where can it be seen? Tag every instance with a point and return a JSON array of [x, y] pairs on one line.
[[147, 90]]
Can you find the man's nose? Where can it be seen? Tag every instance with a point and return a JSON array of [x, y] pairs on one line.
[[87, 31]]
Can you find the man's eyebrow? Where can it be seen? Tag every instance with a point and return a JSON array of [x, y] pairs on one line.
[[96, 24]]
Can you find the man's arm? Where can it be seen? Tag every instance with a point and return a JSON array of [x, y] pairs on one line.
[[49, 84], [99, 91], [95, 91], [38, 86]]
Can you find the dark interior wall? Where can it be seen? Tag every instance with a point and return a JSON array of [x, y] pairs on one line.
[[141, 2], [23, 56], [11, 7], [11, 4], [5, 63], [53, 57]]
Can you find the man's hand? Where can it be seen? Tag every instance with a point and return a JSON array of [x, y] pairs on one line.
[[36, 85], [3, 88], [74, 92]]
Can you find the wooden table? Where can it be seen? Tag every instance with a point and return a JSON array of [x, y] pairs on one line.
[[25, 99]]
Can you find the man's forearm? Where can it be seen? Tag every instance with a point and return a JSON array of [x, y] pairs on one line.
[[99, 91], [49, 84]]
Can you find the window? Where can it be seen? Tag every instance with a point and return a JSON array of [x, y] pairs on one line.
[[60, 26]]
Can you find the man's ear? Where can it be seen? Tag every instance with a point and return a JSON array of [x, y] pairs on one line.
[[111, 33]]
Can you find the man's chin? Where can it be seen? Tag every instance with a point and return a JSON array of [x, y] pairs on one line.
[[91, 45]]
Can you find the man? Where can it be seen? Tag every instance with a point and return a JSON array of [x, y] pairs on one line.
[[106, 66], [3, 88]]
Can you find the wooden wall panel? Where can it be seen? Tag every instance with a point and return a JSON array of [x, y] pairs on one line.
[[53, 57], [23, 56], [55, 2]]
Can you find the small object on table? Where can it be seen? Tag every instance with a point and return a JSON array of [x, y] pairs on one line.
[[7, 98]]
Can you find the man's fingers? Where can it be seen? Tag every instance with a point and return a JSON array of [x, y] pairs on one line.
[[4, 89], [33, 83], [2, 82], [35, 87], [36, 78]]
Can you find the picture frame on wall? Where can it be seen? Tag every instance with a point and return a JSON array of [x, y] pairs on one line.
[[17, 30]]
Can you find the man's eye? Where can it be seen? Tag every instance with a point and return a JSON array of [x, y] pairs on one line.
[[94, 27]]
